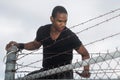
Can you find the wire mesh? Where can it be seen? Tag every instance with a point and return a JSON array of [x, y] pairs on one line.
[[105, 66]]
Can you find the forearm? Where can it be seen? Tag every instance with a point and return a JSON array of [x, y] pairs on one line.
[[85, 55], [30, 45], [86, 68]]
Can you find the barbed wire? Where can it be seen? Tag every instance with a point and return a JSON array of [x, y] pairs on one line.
[[74, 53], [103, 39], [79, 32], [112, 11], [37, 53], [21, 65], [97, 24], [25, 54], [69, 50], [28, 65], [84, 45], [83, 30], [22, 71]]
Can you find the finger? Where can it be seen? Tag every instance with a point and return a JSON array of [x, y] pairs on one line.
[[83, 74], [80, 74], [7, 46], [86, 75], [11, 43]]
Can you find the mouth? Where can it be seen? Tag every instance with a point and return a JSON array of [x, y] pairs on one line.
[[60, 29]]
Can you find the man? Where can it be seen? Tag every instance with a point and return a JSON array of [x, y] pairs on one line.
[[58, 44]]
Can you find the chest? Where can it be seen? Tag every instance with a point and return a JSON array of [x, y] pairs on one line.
[[57, 43], [54, 36]]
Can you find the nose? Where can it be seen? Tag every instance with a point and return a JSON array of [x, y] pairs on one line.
[[63, 23]]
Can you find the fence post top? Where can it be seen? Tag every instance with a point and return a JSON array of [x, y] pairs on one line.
[[12, 49]]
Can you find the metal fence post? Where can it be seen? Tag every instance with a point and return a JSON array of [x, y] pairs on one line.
[[10, 63]]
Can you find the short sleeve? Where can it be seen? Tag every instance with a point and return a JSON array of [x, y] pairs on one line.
[[76, 43], [39, 36]]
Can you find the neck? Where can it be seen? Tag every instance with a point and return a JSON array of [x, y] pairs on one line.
[[53, 30]]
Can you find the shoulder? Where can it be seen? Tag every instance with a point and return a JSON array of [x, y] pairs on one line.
[[42, 32], [72, 38], [69, 32], [44, 27], [71, 35]]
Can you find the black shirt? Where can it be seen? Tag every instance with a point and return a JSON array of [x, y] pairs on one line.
[[60, 51]]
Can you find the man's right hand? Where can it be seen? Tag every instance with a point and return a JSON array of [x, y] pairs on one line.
[[10, 44]]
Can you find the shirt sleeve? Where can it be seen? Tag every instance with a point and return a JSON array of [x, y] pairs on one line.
[[39, 36], [76, 43]]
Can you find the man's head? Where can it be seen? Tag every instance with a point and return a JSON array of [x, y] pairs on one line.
[[59, 18], [58, 9]]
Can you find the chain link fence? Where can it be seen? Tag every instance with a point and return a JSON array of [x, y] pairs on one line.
[[102, 66]]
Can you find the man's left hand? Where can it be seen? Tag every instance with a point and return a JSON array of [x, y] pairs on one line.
[[85, 74]]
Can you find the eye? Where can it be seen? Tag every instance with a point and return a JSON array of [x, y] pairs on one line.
[[65, 21], [59, 20], [62, 21]]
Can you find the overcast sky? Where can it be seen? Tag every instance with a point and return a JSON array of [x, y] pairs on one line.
[[20, 19]]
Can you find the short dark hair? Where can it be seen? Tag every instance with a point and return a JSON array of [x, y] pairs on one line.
[[58, 9]]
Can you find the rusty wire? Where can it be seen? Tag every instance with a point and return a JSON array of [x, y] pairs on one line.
[[83, 31], [113, 35], [102, 15]]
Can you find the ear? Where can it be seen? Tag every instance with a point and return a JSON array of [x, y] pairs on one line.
[[52, 19]]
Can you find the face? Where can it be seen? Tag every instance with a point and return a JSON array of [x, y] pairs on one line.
[[59, 22]]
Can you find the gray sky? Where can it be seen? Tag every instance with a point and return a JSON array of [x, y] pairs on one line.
[[20, 19]]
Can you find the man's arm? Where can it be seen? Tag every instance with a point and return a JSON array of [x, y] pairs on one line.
[[32, 45], [28, 46], [85, 55]]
